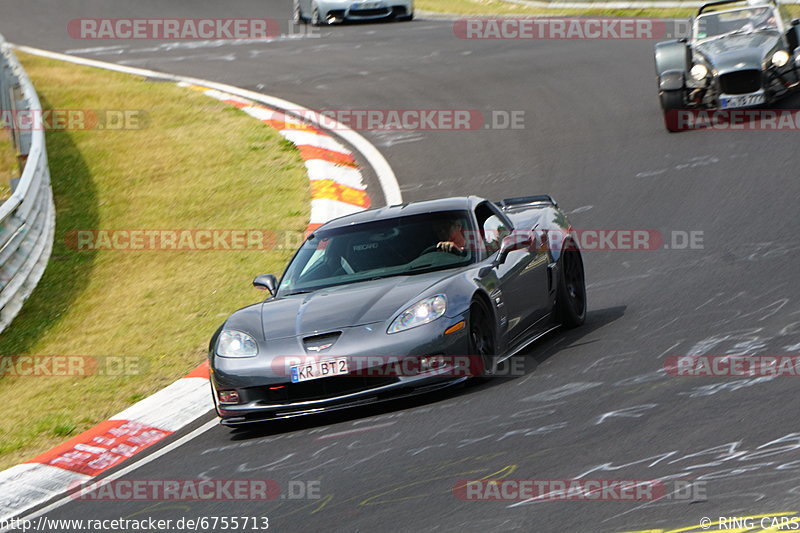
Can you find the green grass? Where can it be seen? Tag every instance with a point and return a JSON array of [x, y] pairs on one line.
[[196, 165], [8, 163], [499, 7]]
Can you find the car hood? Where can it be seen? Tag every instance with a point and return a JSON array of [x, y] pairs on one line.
[[333, 308], [739, 52]]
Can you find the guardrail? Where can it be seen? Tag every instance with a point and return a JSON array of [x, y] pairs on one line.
[[27, 218]]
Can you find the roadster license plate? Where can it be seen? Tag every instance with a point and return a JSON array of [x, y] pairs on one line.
[[366, 5], [319, 369], [742, 100]]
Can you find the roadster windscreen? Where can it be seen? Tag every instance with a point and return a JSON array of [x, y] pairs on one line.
[[735, 21], [392, 247]]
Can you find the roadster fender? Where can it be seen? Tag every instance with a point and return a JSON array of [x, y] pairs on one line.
[[672, 55]]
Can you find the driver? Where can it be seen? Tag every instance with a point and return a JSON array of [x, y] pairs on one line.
[[759, 19], [451, 236]]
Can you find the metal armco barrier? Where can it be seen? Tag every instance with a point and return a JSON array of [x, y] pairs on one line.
[[27, 218]]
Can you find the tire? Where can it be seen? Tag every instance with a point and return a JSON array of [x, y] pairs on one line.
[[297, 14], [481, 339], [671, 102], [571, 291], [315, 20], [406, 18]]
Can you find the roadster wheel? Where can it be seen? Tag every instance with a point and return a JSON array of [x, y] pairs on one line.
[[315, 20], [671, 103], [571, 291], [297, 14], [481, 338]]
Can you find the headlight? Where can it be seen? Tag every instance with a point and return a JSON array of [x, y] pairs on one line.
[[232, 343], [699, 72], [780, 58], [420, 313]]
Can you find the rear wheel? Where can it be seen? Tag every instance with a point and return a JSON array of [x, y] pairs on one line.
[[671, 103], [481, 338], [571, 291]]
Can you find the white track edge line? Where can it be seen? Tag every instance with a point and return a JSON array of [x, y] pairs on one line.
[[381, 167]]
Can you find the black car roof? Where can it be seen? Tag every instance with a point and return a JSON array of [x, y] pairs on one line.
[[457, 203]]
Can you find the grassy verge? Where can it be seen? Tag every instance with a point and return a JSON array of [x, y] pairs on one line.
[[197, 164], [499, 7], [8, 163]]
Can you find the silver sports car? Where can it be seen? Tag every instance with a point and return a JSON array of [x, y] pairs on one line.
[[397, 301], [319, 12]]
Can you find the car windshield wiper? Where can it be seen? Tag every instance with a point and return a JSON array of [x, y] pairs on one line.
[[305, 291]]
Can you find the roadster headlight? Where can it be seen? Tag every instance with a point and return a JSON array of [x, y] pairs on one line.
[[699, 72], [231, 343], [420, 313], [780, 58]]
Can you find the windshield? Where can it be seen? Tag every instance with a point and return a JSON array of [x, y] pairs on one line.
[[735, 21], [398, 246]]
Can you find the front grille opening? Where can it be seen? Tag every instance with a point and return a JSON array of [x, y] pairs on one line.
[[320, 343], [370, 12], [740, 82]]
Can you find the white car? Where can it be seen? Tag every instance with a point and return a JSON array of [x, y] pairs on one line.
[[319, 12]]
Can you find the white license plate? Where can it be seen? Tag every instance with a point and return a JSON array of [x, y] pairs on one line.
[[319, 369], [742, 100], [367, 5]]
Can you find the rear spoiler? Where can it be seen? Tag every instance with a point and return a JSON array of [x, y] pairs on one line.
[[519, 201], [718, 3]]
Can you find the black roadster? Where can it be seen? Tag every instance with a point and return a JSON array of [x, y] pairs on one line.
[[439, 284], [740, 54]]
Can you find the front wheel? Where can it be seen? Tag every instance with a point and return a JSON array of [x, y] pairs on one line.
[[481, 339], [315, 18], [571, 291], [671, 103]]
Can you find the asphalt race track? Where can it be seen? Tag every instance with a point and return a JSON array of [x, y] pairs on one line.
[[594, 402]]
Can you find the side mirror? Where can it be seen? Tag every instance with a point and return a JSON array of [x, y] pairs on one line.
[[510, 244], [266, 282], [795, 22]]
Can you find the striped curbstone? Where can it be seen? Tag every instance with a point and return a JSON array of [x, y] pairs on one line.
[[106, 445], [337, 188]]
